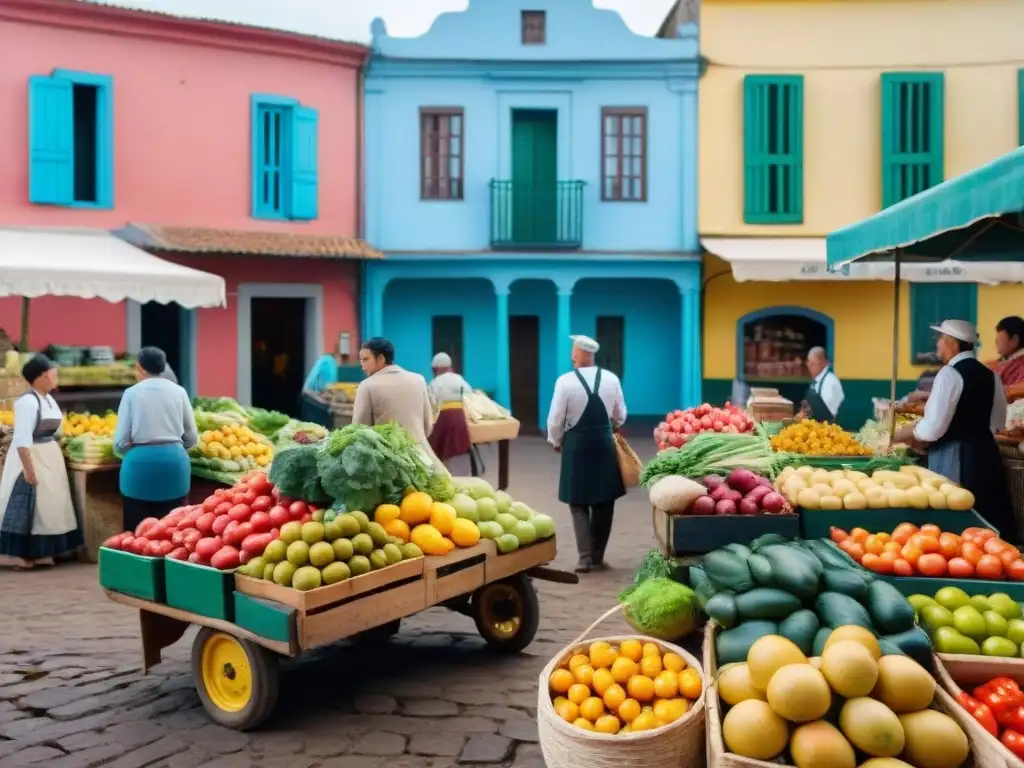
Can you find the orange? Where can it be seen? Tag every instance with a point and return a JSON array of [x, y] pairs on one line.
[[632, 649], [602, 681], [601, 655], [464, 532], [566, 710], [645, 721], [592, 708], [650, 649], [623, 669], [584, 674], [670, 710], [386, 513], [673, 662], [641, 688], [578, 693], [582, 722], [397, 528], [415, 508], [666, 685], [579, 658], [607, 724], [614, 697], [690, 683], [442, 517], [650, 666], [629, 709], [561, 680]]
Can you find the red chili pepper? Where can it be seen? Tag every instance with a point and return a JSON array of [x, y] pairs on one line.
[[1001, 695], [1014, 742], [979, 712]]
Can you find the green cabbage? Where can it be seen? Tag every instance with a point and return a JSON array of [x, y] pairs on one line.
[[662, 608]]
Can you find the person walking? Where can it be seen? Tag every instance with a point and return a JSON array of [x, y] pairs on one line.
[[155, 428], [450, 435], [587, 407], [37, 514]]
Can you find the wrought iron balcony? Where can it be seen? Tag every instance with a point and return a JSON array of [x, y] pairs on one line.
[[532, 216]]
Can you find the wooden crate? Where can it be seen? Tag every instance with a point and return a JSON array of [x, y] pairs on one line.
[[500, 567], [683, 535], [493, 431], [460, 572]]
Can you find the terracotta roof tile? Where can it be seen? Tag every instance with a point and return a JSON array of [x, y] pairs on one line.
[[247, 243]]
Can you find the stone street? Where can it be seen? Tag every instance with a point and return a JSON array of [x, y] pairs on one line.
[[72, 694]]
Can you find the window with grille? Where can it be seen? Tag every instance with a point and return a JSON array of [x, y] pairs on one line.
[[773, 149], [912, 134], [624, 154], [442, 140], [533, 27]]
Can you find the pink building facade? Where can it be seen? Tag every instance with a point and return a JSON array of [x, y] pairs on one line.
[[226, 148]]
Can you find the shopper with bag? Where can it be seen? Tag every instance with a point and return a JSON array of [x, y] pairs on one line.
[[586, 410]]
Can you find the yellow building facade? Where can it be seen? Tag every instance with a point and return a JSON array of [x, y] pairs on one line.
[[815, 114]]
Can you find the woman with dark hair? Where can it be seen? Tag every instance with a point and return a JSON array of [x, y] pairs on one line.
[[37, 515], [155, 427], [1010, 346]]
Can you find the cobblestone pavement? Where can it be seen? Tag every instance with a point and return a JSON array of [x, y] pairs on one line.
[[72, 695]]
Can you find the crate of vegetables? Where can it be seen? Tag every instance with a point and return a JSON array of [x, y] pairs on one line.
[[680, 426], [696, 517], [988, 703]]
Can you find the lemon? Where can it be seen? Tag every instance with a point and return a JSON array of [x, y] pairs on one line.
[[578, 693]]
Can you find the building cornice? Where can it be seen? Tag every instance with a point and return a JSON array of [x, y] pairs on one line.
[[389, 68], [111, 20]]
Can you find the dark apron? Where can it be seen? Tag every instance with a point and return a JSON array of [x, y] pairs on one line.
[[590, 465], [977, 465], [816, 407]]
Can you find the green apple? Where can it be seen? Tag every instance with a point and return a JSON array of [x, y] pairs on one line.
[[969, 621], [948, 640]]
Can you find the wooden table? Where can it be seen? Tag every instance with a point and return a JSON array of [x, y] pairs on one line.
[[97, 500], [502, 432]]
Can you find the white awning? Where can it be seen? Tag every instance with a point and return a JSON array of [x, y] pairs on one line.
[[89, 264], [777, 259]]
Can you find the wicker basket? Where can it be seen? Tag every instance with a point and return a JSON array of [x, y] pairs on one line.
[[671, 746]]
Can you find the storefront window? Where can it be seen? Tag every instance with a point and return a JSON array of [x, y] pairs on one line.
[[775, 343]]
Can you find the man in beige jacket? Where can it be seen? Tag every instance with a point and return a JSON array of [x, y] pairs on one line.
[[391, 393]]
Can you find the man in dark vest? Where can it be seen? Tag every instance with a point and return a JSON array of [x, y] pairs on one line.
[[825, 394], [966, 407]]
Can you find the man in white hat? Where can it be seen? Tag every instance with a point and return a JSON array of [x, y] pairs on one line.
[[966, 407], [450, 437], [587, 406]]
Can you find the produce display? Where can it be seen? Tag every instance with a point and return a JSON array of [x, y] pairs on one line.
[[86, 423], [929, 551], [6, 418], [960, 623], [816, 438], [232, 448], [824, 711], [910, 487], [296, 433], [713, 453], [998, 706], [801, 590], [742, 492], [679, 426], [89, 449], [630, 687], [479, 407]]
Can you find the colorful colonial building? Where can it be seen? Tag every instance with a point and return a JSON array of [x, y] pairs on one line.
[[530, 173]]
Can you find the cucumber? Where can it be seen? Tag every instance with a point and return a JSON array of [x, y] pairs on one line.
[[767, 539], [722, 608], [702, 585], [727, 570], [761, 570], [733, 645], [820, 638], [838, 610], [913, 643], [802, 628], [766, 603], [845, 582], [794, 569], [832, 557], [739, 549], [889, 609]]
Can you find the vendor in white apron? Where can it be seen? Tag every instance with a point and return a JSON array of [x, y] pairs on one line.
[[37, 516], [966, 408]]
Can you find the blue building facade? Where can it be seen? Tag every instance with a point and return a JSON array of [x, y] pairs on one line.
[[531, 172]]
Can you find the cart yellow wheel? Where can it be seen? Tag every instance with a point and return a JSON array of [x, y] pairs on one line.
[[237, 680], [507, 613]]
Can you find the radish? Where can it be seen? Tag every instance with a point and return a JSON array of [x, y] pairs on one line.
[[703, 505], [725, 507], [773, 503], [749, 506]]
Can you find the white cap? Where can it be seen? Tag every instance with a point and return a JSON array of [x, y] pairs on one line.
[[958, 329], [585, 343], [441, 360]]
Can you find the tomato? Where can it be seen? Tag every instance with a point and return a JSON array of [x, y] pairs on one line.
[[260, 484], [911, 553], [222, 493], [838, 535], [960, 569], [883, 537], [255, 543], [229, 531], [873, 545], [225, 559], [902, 568], [297, 509], [205, 522], [240, 512], [189, 520], [989, 567], [191, 539], [246, 497], [930, 529], [164, 548], [194, 558], [1016, 570], [244, 557], [859, 535], [876, 564], [114, 542], [306, 518], [261, 522], [140, 545], [927, 544], [178, 554], [223, 507], [903, 532], [932, 564], [1008, 558], [949, 545], [210, 503], [994, 546], [207, 548], [158, 532], [279, 516], [235, 536], [892, 546], [262, 504], [284, 501], [971, 552], [145, 525], [220, 524]]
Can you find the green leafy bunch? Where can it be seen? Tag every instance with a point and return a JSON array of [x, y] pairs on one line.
[[295, 473]]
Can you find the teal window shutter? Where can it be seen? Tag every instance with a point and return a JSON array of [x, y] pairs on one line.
[[1020, 107], [930, 304], [51, 141], [773, 149], [912, 134], [304, 181], [271, 161]]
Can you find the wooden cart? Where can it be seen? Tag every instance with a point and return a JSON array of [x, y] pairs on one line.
[[236, 670]]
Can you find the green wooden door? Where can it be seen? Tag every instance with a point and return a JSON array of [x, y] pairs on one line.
[[534, 176]]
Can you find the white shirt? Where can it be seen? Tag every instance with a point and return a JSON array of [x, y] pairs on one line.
[[26, 412], [941, 405], [829, 389], [570, 400], [448, 388]]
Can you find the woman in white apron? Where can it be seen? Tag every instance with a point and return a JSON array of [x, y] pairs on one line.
[[37, 516]]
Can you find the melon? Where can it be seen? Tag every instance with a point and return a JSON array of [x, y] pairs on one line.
[[933, 740], [799, 693], [753, 729], [768, 654], [872, 727], [821, 745], [859, 635], [903, 684], [850, 668], [734, 685]]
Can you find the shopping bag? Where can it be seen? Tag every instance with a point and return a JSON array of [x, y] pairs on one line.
[[630, 465]]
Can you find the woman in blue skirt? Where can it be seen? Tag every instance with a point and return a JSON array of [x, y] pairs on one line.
[[155, 428]]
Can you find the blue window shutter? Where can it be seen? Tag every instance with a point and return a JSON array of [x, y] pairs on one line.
[[930, 304], [304, 167], [51, 141], [1020, 107]]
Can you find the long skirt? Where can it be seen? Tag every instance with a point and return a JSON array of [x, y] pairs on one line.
[[37, 521], [450, 437]]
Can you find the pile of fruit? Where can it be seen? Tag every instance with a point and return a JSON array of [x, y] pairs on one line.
[[6, 418], [817, 438], [232, 448], [680, 426], [761, 590], [960, 623], [76, 424], [742, 492], [632, 687], [823, 711], [977, 553], [998, 706], [911, 487]]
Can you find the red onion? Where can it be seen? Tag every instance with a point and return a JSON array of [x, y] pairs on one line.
[[725, 507], [773, 503]]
